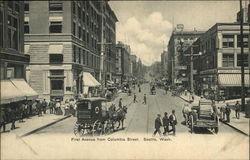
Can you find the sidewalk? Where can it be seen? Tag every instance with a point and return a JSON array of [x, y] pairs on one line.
[[33, 124], [241, 125]]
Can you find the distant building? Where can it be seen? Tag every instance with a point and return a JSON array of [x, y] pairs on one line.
[[177, 63], [133, 60], [63, 40], [218, 69], [164, 64], [123, 63], [12, 57]]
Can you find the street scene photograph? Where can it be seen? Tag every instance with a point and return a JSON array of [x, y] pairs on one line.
[[117, 79]]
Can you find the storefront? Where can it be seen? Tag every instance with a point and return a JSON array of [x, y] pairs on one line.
[[90, 85]]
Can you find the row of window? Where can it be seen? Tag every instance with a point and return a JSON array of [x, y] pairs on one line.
[[228, 41], [228, 60], [53, 6], [13, 31], [84, 57]]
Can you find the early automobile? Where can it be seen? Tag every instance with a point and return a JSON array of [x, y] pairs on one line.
[[96, 116], [204, 116]]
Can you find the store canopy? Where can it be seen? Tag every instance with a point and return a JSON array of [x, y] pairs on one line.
[[232, 80], [23, 86], [10, 93], [89, 80]]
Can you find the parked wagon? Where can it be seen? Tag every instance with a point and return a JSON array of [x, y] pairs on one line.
[[203, 116], [95, 116]]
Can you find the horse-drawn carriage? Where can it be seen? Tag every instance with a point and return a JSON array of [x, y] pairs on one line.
[[95, 116], [203, 116], [153, 90]]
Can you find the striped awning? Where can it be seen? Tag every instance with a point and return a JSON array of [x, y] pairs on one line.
[[10, 93], [23, 86], [89, 80], [232, 80]]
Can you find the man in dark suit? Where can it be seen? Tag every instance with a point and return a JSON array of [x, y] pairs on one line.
[[173, 121], [120, 103], [165, 122], [158, 125]]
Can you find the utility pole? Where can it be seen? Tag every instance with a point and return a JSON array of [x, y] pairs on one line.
[[242, 60], [101, 75], [192, 66], [191, 71]]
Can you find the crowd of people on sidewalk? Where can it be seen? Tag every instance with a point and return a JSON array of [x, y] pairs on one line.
[[18, 111]]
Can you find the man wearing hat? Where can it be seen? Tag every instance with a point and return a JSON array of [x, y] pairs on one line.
[[173, 121], [165, 122], [158, 125]]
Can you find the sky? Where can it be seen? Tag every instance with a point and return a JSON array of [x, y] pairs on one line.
[[147, 25]]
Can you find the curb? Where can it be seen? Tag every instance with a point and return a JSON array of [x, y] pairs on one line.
[[238, 130], [45, 126]]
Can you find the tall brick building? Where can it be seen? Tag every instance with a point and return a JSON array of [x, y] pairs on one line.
[[14, 87], [63, 40]]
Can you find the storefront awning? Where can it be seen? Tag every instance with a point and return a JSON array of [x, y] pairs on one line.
[[23, 86], [10, 93], [89, 80], [232, 80]]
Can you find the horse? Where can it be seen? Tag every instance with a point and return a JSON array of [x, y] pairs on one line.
[[118, 116]]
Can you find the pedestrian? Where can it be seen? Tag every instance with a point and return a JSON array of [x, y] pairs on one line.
[[139, 89], [223, 112], [21, 111], [25, 110], [39, 108], [158, 125], [51, 106], [58, 105], [13, 117], [228, 112], [2, 119], [135, 98], [44, 106], [120, 103], [237, 110], [173, 122], [144, 99], [165, 122]]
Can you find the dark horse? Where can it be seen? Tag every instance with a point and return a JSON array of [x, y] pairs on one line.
[[119, 116]]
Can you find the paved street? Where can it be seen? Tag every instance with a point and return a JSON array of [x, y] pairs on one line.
[[140, 118], [139, 123]]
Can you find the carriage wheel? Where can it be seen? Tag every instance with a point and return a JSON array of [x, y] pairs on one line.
[[78, 130], [97, 128], [192, 124]]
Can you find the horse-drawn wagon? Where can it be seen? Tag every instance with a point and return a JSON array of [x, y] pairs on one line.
[[95, 116], [204, 116], [153, 90]]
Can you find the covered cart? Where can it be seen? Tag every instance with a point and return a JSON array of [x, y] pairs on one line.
[[96, 116]]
